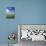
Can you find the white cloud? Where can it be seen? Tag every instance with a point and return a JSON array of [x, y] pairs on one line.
[[7, 11]]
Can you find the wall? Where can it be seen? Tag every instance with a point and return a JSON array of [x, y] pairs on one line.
[[27, 12], [31, 11], [6, 25]]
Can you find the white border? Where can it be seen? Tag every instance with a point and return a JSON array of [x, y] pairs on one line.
[[18, 33]]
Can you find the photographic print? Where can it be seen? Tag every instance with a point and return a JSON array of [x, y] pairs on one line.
[[10, 12], [28, 34]]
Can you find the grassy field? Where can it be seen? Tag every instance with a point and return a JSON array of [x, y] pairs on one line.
[[10, 16]]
